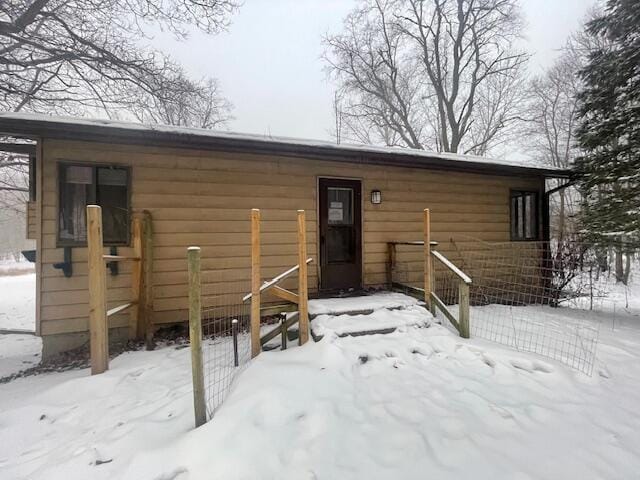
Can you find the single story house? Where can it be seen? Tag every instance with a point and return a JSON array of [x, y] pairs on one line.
[[199, 186]]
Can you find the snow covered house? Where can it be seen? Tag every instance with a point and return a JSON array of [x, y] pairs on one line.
[[199, 186]]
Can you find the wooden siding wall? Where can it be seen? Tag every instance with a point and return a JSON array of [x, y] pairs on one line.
[[203, 198], [31, 220]]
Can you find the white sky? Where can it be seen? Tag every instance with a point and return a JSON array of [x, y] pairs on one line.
[[269, 64]]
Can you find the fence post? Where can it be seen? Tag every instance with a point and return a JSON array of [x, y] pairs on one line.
[[135, 316], [195, 335], [98, 326], [234, 333], [146, 325], [427, 259], [303, 293], [255, 282], [391, 263], [463, 302]]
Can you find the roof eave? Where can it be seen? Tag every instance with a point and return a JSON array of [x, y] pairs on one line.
[[115, 134]]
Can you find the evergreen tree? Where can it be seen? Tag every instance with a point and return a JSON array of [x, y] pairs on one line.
[[609, 132]]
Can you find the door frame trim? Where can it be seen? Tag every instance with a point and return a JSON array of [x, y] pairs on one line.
[[319, 263]]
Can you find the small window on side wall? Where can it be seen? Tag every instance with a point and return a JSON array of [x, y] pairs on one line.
[[524, 215], [82, 185]]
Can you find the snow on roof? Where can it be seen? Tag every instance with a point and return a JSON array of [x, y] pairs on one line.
[[117, 125]]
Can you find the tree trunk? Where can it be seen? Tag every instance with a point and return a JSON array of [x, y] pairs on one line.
[[627, 269], [561, 216], [619, 265]]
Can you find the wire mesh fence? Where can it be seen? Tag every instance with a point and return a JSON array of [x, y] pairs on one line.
[[540, 297], [226, 345], [526, 295]]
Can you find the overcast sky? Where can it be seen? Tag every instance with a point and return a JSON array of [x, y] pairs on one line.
[[269, 64]]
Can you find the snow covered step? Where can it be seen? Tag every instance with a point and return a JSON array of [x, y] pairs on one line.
[[362, 305], [380, 321]]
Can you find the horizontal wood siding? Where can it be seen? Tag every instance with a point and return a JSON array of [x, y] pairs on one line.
[[204, 198], [31, 220]]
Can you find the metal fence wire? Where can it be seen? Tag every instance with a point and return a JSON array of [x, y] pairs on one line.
[[226, 344], [540, 297], [536, 297]]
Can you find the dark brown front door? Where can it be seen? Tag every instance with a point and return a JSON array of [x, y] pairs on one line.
[[340, 234]]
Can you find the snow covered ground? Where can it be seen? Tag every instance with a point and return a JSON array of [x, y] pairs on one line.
[[18, 302], [417, 403], [17, 312]]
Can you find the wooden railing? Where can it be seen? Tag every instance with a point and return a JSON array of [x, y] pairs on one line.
[[462, 322], [300, 299], [140, 304], [272, 287], [427, 293]]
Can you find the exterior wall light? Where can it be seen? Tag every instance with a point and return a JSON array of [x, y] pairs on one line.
[[376, 197]]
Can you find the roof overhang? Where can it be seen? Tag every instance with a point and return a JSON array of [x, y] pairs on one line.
[[63, 128]]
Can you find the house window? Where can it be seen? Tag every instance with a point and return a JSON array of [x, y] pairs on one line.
[[524, 215], [82, 185]]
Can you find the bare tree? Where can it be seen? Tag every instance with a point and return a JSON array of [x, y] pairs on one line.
[[70, 56], [184, 102], [87, 56], [437, 74], [14, 186], [553, 109]]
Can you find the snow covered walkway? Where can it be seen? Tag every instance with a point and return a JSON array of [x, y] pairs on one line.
[[378, 313]]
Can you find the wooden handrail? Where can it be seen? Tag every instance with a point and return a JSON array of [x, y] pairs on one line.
[[120, 308], [447, 263], [417, 243], [275, 280], [427, 294], [118, 258]]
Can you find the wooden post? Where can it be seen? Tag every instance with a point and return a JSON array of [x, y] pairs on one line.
[[255, 282], [98, 326], [283, 332], [391, 263], [145, 323], [463, 302], [135, 315], [427, 259], [195, 335], [303, 293]]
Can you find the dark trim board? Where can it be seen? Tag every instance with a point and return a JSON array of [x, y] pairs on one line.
[[21, 148], [138, 134]]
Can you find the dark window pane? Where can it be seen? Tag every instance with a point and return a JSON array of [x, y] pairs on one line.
[[528, 216], [84, 185], [112, 196], [514, 217], [524, 215], [521, 214], [341, 245], [75, 192], [532, 216]]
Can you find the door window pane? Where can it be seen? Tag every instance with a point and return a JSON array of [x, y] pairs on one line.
[[340, 209], [341, 245]]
